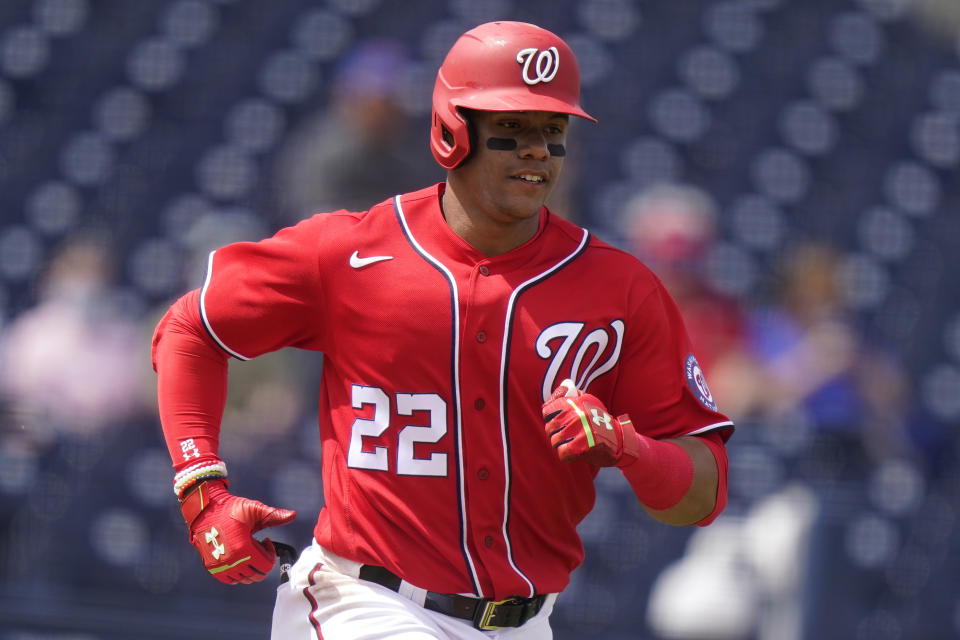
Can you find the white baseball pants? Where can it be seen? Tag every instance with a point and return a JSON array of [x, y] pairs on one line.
[[325, 600]]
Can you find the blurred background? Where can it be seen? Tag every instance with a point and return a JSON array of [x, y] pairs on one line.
[[788, 167]]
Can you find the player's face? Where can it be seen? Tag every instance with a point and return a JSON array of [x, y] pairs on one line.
[[516, 162]]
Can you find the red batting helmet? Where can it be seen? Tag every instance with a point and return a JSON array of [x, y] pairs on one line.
[[500, 66]]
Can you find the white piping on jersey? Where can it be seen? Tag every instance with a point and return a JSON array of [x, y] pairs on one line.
[[503, 407], [456, 388], [203, 311], [728, 424]]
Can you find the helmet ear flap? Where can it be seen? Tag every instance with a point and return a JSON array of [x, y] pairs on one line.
[[454, 137], [468, 115]]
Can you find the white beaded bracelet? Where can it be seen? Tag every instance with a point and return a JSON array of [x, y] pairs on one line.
[[190, 475]]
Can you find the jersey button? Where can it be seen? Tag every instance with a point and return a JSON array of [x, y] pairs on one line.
[[479, 404], [483, 474], [484, 270], [488, 541], [481, 336]]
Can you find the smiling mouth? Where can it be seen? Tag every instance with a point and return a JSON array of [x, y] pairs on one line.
[[529, 178]]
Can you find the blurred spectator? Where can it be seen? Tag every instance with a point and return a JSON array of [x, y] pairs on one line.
[[357, 150], [74, 363], [813, 364], [672, 228]]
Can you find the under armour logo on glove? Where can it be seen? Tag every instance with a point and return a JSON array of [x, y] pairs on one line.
[[580, 428], [218, 548], [602, 419], [222, 528]]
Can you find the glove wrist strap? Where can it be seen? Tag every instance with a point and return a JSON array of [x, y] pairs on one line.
[[196, 500]]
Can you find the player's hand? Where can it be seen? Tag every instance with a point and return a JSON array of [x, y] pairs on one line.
[[580, 428], [222, 527]]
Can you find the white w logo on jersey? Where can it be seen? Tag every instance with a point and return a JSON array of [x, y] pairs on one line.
[[586, 365]]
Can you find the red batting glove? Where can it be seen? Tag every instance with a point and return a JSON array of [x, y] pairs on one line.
[[580, 428], [222, 528]]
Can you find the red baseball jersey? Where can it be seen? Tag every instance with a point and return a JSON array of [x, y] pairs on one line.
[[437, 360]]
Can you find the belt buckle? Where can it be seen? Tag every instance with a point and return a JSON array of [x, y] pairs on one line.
[[485, 614]]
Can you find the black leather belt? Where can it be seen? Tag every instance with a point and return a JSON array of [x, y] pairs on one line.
[[486, 614]]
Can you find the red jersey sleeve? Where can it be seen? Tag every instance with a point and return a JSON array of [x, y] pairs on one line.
[[191, 386], [261, 296], [660, 383]]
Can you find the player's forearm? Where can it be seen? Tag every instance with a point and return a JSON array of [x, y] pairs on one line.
[[701, 497], [677, 480], [191, 385]]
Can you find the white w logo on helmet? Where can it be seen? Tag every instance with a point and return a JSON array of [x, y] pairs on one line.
[[545, 64]]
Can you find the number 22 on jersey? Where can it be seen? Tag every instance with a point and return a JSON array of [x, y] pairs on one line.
[[407, 463]]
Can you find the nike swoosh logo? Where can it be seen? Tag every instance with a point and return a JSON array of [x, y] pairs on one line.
[[357, 262]]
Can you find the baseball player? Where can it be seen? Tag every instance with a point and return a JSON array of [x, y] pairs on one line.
[[483, 359]]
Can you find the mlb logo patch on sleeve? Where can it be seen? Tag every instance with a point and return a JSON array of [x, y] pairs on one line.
[[698, 383]]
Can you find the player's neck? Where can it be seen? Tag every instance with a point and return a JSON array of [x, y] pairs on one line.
[[486, 228]]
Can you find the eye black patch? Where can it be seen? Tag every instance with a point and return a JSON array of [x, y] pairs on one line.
[[509, 144], [501, 144]]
